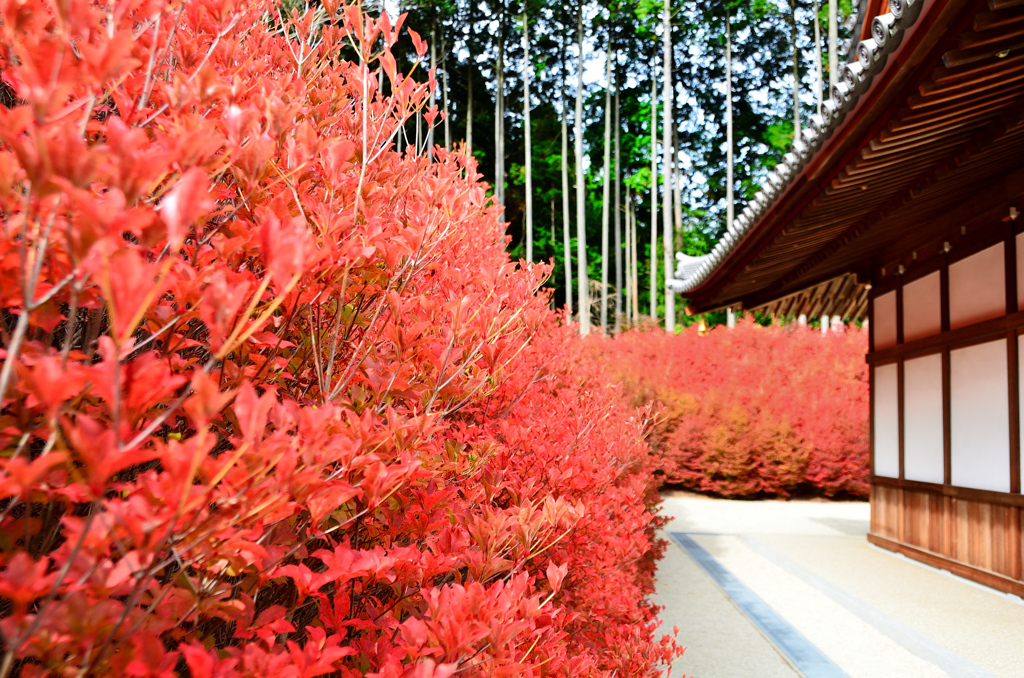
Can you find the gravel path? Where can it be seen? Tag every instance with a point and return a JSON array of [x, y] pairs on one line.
[[774, 588]]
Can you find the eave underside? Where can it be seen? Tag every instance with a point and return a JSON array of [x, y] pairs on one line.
[[953, 135]]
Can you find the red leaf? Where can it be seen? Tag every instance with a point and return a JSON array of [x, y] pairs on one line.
[[23, 475], [184, 204], [24, 580], [555, 575], [418, 44]]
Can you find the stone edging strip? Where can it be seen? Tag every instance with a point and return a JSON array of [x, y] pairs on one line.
[[807, 659], [904, 636]]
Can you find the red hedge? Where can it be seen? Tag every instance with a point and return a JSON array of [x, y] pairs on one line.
[[752, 410], [274, 401]]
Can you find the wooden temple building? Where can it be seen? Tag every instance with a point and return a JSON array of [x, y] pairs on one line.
[[901, 203]]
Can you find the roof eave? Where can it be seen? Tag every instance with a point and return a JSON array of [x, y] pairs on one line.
[[816, 148]]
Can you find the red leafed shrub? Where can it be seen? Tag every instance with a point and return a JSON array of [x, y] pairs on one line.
[[274, 400], [752, 410]]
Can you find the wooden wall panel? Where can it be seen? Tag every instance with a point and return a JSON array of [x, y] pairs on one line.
[[884, 511], [1016, 566], [935, 532], [974, 538], [1004, 546]]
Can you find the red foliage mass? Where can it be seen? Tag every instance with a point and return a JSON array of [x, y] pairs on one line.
[[274, 400], [752, 410]]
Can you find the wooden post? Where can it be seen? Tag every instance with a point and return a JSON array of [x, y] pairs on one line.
[[947, 407], [1012, 357]]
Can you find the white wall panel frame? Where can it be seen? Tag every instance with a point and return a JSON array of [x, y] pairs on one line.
[[922, 307], [1019, 242], [883, 320], [1020, 410], [886, 421], [923, 440], [977, 287], [979, 416]]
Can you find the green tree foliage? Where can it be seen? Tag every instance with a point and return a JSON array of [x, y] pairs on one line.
[[471, 30]]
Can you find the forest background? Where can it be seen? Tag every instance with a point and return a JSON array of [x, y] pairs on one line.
[[482, 63]]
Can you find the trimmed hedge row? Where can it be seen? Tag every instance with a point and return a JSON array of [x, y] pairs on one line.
[[753, 410]]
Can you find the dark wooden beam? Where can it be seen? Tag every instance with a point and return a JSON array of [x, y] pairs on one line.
[[958, 57], [978, 333], [956, 158], [995, 19], [1004, 4], [967, 493]]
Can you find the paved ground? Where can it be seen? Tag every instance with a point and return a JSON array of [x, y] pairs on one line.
[[807, 569]]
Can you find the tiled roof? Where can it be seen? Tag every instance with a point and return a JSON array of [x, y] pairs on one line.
[[887, 32]]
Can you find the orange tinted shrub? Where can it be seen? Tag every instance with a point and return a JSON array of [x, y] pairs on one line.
[[274, 401], [753, 410]]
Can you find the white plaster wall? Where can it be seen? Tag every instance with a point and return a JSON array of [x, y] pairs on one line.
[[980, 417], [1020, 390], [1020, 270], [922, 308], [922, 419], [884, 320], [977, 287], [887, 432]]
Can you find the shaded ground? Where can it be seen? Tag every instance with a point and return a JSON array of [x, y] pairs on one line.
[[869, 613]]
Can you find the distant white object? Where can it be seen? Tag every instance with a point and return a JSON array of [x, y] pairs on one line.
[[802, 320], [837, 324], [686, 265], [824, 324], [730, 317]]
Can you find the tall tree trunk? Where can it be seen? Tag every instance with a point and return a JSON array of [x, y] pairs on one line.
[[607, 188], [470, 65], [497, 130], [796, 71], [729, 199], [833, 45], [583, 291], [666, 141], [618, 224], [499, 119], [469, 107], [501, 139], [444, 93], [635, 277], [433, 90], [401, 136], [628, 292], [566, 239], [818, 84], [653, 297], [527, 68], [552, 210], [677, 197]]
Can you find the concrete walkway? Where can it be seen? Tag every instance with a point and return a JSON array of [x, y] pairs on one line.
[[774, 588]]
